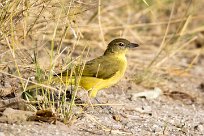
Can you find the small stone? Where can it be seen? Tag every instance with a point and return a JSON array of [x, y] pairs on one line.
[[2, 134], [199, 128], [117, 117]]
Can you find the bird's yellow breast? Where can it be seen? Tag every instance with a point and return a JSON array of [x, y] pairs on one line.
[[115, 78]]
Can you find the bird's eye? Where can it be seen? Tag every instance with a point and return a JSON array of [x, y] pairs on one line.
[[121, 44]]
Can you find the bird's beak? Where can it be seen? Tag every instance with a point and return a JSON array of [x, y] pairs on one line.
[[133, 45]]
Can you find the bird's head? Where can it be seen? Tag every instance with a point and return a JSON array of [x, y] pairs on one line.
[[120, 46]]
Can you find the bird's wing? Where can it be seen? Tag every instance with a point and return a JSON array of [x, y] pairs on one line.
[[102, 67]]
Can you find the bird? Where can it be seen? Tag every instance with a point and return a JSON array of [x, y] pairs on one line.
[[101, 72]]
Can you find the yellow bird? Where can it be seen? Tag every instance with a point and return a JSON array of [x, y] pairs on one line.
[[101, 72]]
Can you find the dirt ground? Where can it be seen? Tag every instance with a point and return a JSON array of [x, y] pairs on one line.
[[166, 98]]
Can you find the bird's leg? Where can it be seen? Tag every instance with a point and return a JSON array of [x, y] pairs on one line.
[[92, 93], [106, 107]]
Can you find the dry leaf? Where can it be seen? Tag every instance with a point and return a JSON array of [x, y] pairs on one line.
[[181, 96], [44, 116]]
